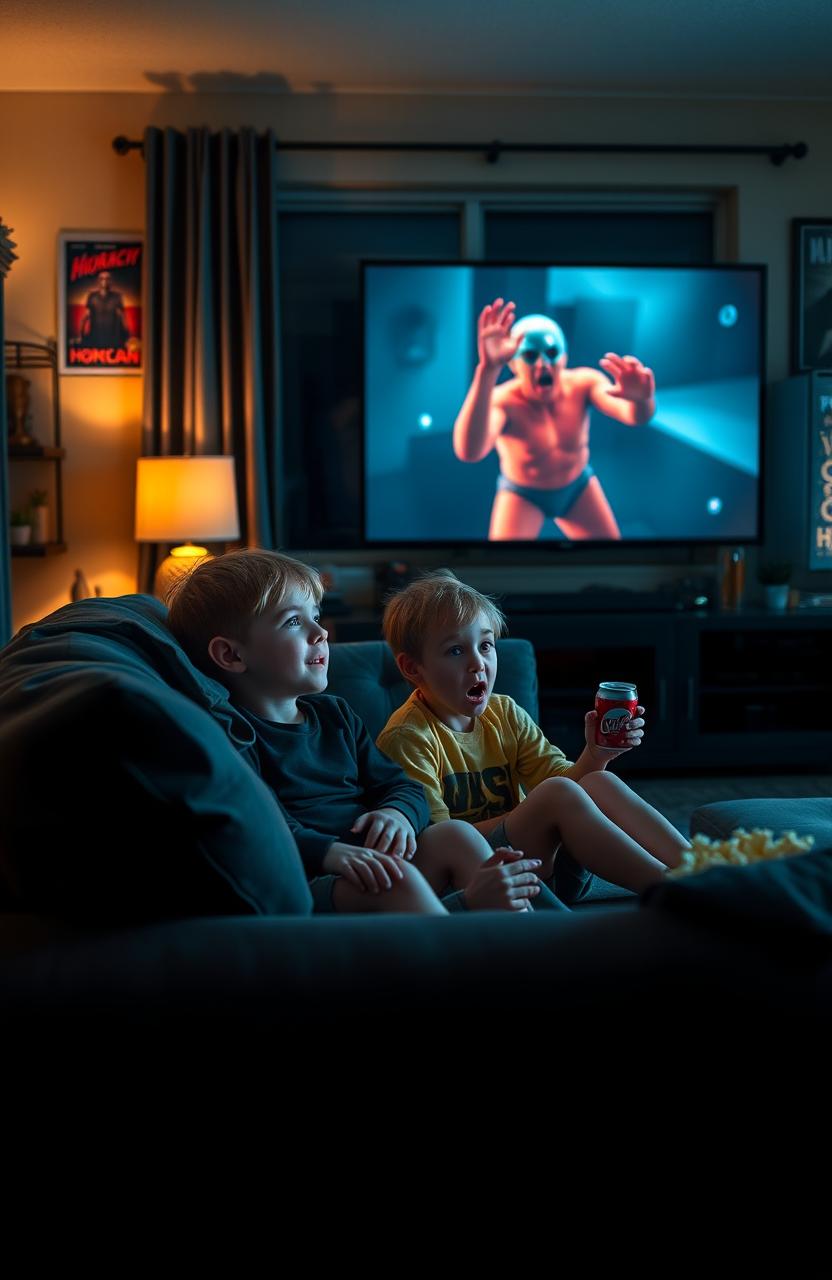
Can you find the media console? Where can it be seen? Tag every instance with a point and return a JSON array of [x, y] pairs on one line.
[[746, 689]]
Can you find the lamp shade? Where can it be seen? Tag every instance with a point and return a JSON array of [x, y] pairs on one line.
[[181, 499]]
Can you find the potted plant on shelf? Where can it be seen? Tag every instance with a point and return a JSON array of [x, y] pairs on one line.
[[774, 577], [20, 532], [39, 515]]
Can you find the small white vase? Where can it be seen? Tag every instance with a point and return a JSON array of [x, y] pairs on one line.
[[777, 596], [20, 535], [40, 524]]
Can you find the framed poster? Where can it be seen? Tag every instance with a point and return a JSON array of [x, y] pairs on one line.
[[820, 475], [100, 302], [811, 294]]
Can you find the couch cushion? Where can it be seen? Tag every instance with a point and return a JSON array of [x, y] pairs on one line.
[[806, 816], [121, 798], [128, 632], [365, 673], [768, 900]]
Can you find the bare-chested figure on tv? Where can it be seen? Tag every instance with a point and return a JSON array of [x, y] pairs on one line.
[[539, 424]]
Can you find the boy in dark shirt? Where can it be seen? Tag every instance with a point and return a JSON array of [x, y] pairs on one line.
[[250, 619]]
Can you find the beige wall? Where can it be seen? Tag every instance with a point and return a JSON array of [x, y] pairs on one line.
[[58, 171]]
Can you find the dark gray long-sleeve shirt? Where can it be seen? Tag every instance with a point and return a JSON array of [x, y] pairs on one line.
[[326, 772]]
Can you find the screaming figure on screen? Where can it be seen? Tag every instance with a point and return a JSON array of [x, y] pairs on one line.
[[539, 424]]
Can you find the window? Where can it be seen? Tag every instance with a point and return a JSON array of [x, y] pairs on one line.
[[598, 236], [322, 354]]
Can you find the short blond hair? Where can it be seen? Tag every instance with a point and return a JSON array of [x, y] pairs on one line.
[[435, 598], [222, 595]]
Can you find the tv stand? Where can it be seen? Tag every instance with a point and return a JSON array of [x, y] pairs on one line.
[[739, 690], [743, 689]]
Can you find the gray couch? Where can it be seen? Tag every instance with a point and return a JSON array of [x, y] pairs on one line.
[[151, 894]]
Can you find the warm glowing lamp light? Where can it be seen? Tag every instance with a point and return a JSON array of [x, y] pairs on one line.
[[184, 500]]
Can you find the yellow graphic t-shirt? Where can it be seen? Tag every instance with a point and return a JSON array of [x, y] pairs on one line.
[[476, 775]]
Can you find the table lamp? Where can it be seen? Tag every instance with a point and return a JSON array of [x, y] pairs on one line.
[[182, 500]]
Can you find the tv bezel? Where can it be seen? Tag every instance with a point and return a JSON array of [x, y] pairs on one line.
[[561, 545]]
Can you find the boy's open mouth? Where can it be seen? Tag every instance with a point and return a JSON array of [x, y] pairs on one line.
[[477, 691], [317, 662], [545, 379]]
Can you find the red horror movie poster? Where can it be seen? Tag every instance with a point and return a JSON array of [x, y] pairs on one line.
[[100, 302]]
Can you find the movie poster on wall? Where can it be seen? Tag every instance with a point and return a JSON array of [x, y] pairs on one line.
[[820, 484], [811, 294], [100, 302]]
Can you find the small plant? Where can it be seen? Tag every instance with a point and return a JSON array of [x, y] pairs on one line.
[[38, 498], [19, 519], [773, 573]]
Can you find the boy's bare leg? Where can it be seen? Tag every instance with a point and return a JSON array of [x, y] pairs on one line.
[[450, 853], [560, 810], [456, 853], [627, 810], [411, 893]]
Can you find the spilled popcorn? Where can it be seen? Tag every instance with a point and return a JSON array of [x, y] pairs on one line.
[[740, 850]]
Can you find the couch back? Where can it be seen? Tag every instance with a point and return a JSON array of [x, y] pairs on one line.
[[123, 793], [364, 672]]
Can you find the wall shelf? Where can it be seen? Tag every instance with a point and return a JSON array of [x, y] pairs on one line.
[[39, 549], [35, 452], [21, 356]]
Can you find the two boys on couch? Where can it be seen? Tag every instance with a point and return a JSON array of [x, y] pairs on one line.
[[376, 836]]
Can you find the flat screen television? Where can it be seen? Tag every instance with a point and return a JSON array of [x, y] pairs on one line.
[[629, 413]]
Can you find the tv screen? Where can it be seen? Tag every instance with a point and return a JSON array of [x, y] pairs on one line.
[[585, 404]]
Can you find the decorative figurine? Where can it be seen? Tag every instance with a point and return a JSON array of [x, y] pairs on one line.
[[80, 589], [17, 398]]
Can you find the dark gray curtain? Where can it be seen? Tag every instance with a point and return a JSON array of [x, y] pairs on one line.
[[6, 258], [211, 316]]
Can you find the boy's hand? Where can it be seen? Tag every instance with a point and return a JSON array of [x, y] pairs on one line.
[[506, 882], [364, 868], [603, 755], [386, 831]]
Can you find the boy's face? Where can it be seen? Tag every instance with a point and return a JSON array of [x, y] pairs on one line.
[[457, 670], [286, 651]]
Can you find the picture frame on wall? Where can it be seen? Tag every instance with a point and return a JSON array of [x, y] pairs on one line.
[[100, 302], [811, 294]]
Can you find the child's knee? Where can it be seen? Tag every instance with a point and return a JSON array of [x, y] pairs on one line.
[[600, 781], [412, 884], [454, 834], [467, 836], [564, 795], [561, 789], [411, 877]]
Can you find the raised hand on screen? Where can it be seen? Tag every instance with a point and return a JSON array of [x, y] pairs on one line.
[[494, 341], [631, 379]]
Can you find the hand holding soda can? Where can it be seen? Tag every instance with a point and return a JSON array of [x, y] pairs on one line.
[[616, 704]]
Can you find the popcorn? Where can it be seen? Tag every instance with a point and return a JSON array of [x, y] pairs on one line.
[[741, 849]]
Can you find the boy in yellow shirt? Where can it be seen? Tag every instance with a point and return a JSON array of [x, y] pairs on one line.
[[481, 757]]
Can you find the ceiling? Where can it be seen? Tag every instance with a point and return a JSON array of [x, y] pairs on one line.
[[708, 48]]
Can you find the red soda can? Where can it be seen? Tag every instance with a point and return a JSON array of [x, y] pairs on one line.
[[616, 706]]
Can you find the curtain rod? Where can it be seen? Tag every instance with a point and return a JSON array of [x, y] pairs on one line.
[[777, 153]]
